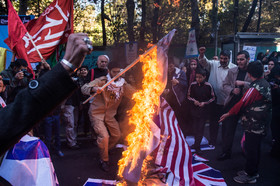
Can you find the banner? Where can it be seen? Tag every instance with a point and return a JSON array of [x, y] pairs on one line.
[[131, 49], [51, 29], [16, 32], [252, 51], [191, 50]]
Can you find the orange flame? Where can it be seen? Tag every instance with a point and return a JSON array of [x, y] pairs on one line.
[[142, 112]]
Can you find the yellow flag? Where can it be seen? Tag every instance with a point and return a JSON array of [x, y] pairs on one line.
[[2, 58]]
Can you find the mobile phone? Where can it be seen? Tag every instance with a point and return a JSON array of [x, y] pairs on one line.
[[265, 67]]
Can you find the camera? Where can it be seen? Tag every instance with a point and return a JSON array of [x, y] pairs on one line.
[[27, 74], [265, 67], [6, 81]]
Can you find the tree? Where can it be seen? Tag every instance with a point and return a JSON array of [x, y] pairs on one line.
[[251, 13], [195, 19], [103, 23], [155, 21], [143, 21], [130, 6]]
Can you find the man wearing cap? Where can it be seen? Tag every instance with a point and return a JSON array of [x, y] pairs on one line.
[[103, 109]]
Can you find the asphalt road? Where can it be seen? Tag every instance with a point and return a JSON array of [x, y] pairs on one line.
[[79, 165]]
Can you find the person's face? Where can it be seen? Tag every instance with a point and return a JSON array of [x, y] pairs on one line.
[[270, 65], [184, 69], [171, 68], [83, 72], [114, 71], [193, 64], [20, 68], [102, 62], [199, 78], [224, 60], [242, 62]]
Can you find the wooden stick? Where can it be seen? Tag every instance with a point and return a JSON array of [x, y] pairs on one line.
[[9, 50], [30, 37], [121, 73]]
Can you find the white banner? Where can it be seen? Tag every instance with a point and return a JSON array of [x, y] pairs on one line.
[[252, 51], [191, 50]]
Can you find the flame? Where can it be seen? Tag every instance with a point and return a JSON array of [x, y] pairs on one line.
[[146, 102]]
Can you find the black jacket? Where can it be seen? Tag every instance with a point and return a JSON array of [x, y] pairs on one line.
[[32, 104]]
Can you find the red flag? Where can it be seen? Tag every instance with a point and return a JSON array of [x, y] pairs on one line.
[[51, 29], [16, 33]]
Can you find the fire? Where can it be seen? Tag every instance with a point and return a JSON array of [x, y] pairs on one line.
[[146, 102]]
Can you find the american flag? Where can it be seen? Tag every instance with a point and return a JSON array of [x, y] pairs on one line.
[[173, 152]]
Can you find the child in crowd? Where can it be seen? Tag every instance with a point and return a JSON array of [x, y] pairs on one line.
[[200, 94]]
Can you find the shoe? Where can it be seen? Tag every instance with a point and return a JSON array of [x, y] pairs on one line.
[[104, 165], [224, 156], [243, 172], [59, 153], [245, 179], [74, 147]]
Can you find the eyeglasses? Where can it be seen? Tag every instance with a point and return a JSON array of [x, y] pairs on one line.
[[271, 64]]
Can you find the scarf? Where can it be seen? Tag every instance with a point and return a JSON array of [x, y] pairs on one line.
[[116, 86]]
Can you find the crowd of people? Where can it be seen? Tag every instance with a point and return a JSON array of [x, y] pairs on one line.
[[204, 90], [226, 94]]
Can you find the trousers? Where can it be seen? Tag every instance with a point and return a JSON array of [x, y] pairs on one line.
[[108, 134]]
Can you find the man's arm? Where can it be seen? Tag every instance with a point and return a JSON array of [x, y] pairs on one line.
[[203, 60], [42, 96], [228, 85], [91, 87], [248, 98]]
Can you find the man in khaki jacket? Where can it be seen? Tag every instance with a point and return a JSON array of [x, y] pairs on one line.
[[103, 109]]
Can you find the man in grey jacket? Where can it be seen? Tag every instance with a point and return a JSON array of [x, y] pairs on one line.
[[234, 86]]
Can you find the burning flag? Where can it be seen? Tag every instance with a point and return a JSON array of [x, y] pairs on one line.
[[145, 138]]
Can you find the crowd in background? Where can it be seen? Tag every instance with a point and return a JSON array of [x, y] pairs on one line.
[[200, 91]]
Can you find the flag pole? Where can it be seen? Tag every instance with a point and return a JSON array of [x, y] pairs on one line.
[[30, 37], [122, 72]]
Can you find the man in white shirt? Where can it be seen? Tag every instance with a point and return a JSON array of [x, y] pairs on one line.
[[218, 72]]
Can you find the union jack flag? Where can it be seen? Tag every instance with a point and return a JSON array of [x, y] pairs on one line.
[[205, 175]]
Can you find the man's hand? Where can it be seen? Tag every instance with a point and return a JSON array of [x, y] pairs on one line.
[[166, 91], [19, 75], [223, 117], [201, 104], [77, 49], [239, 83], [196, 103], [202, 50], [236, 91], [98, 90], [174, 82]]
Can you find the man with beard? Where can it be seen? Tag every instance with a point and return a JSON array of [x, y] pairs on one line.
[[218, 72], [235, 85]]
